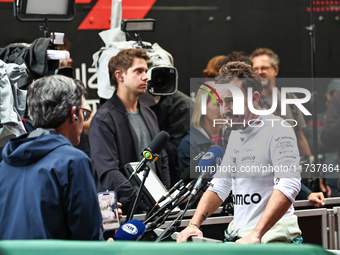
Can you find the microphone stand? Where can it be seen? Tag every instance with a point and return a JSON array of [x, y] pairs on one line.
[[311, 30], [173, 226], [160, 220], [166, 205], [160, 210], [182, 199], [139, 193], [177, 222], [181, 196]]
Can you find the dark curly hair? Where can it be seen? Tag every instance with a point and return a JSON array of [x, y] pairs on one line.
[[237, 56], [242, 71]]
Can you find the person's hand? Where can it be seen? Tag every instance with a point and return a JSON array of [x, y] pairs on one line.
[[249, 239], [317, 198], [326, 190], [189, 231], [120, 212]]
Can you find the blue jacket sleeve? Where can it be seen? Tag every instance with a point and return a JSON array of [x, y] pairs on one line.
[[304, 193], [84, 218]]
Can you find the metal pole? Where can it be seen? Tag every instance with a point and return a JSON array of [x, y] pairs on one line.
[[311, 30]]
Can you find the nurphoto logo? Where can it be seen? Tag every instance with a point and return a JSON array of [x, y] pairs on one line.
[[238, 101]]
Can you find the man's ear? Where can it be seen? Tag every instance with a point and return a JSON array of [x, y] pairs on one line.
[[256, 97], [119, 76], [74, 116]]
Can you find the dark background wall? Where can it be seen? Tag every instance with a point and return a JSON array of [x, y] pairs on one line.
[[193, 31]]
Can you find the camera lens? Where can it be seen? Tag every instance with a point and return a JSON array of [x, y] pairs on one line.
[[163, 80]]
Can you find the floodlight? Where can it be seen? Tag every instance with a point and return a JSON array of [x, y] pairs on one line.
[[138, 25], [42, 10]]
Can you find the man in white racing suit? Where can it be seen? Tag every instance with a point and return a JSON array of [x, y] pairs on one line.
[[260, 166]]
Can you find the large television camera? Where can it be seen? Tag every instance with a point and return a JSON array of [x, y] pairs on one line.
[[42, 56], [163, 76]]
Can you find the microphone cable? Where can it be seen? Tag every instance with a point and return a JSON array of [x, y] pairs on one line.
[[161, 219], [123, 183], [151, 211], [177, 222], [173, 227]]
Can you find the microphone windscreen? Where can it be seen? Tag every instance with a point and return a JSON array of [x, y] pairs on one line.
[[212, 157], [159, 141], [131, 230]]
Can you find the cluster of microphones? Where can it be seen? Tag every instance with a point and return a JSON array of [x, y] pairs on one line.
[[186, 191]]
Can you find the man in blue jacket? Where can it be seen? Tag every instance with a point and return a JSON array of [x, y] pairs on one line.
[[46, 185]]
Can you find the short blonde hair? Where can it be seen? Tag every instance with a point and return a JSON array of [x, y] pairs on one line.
[[197, 112], [273, 57]]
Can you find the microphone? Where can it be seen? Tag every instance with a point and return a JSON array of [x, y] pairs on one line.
[[185, 176], [211, 158], [131, 230], [184, 179], [150, 153], [167, 205]]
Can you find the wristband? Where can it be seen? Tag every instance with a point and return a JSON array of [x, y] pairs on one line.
[[196, 226]]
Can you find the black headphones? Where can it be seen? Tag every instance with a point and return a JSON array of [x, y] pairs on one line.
[[75, 117]]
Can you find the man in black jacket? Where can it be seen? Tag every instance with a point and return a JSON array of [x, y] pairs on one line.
[[173, 113], [123, 127]]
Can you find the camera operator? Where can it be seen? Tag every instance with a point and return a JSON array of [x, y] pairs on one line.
[[172, 107]]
